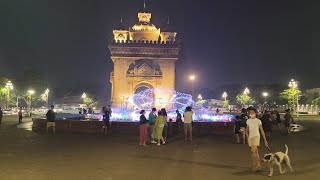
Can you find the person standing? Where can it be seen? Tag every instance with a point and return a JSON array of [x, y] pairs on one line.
[[254, 125], [165, 128], [266, 123], [278, 120], [106, 114], [143, 128], [158, 128], [288, 119], [152, 121], [20, 115], [187, 124], [51, 118], [237, 130], [1, 115], [179, 122], [244, 117]]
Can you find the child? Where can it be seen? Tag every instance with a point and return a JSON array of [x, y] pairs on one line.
[[252, 130]]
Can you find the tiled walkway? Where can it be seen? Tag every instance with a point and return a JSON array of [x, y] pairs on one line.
[[27, 155]]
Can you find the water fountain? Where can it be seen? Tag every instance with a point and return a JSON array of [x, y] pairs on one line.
[[171, 100]]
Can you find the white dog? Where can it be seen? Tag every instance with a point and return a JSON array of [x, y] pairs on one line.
[[278, 159]]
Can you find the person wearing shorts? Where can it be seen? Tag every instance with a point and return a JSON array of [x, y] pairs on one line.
[[51, 116], [187, 123], [253, 130]]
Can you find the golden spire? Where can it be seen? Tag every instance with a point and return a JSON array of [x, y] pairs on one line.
[[144, 4]]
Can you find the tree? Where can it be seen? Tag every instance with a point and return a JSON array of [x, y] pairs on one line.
[[90, 102], [291, 95], [244, 99], [31, 79], [226, 103], [316, 102]]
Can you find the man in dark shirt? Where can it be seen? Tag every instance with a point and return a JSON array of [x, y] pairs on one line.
[[51, 117], [20, 115], [1, 115]]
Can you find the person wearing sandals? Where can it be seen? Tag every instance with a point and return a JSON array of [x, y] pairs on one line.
[[143, 128], [158, 128], [254, 125]]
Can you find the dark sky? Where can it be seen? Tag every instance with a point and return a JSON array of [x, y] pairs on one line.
[[224, 41]]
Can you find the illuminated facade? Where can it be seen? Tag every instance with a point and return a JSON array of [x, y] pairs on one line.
[[143, 57]]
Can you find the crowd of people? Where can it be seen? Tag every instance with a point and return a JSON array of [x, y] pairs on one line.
[[271, 121], [248, 127], [154, 129]]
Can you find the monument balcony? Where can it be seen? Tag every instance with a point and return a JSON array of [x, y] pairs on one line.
[[145, 43]]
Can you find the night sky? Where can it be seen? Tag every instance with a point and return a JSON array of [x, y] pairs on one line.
[[224, 41]]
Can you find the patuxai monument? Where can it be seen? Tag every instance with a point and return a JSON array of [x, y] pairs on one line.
[[144, 57]]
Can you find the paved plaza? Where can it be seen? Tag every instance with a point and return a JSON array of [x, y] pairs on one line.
[[28, 155]]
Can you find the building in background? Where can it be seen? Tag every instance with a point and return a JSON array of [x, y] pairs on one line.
[[143, 57]]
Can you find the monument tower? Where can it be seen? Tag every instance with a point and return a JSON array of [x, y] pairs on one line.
[[143, 57]]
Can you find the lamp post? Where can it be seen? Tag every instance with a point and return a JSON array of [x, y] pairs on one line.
[[265, 95], [294, 85], [225, 95], [121, 98], [192, 78], [30, 93], [83, 96], [9, 87], [45, 96], [246, 91]]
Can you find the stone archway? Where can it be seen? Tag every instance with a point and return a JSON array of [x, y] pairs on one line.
[[142, 86]]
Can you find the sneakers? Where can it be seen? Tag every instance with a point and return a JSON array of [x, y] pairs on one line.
[[158, 144], [153, 142]]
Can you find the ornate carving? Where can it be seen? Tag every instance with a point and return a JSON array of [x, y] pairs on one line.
[[143, 51]]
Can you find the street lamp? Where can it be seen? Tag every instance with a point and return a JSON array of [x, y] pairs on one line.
[[123, 101], [246, 91], [192, 78], [225, 95], [265, 95], [30, 93], [294, 85], [83, 96], [9, 87], [45, 96]]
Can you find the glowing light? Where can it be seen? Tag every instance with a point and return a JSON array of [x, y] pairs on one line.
[[192, 77], [31, 92], [46, 92], [225, 95], [246, 91], [9, 85], [265, 94], [167, 98], [84, 95], [293, 84]]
